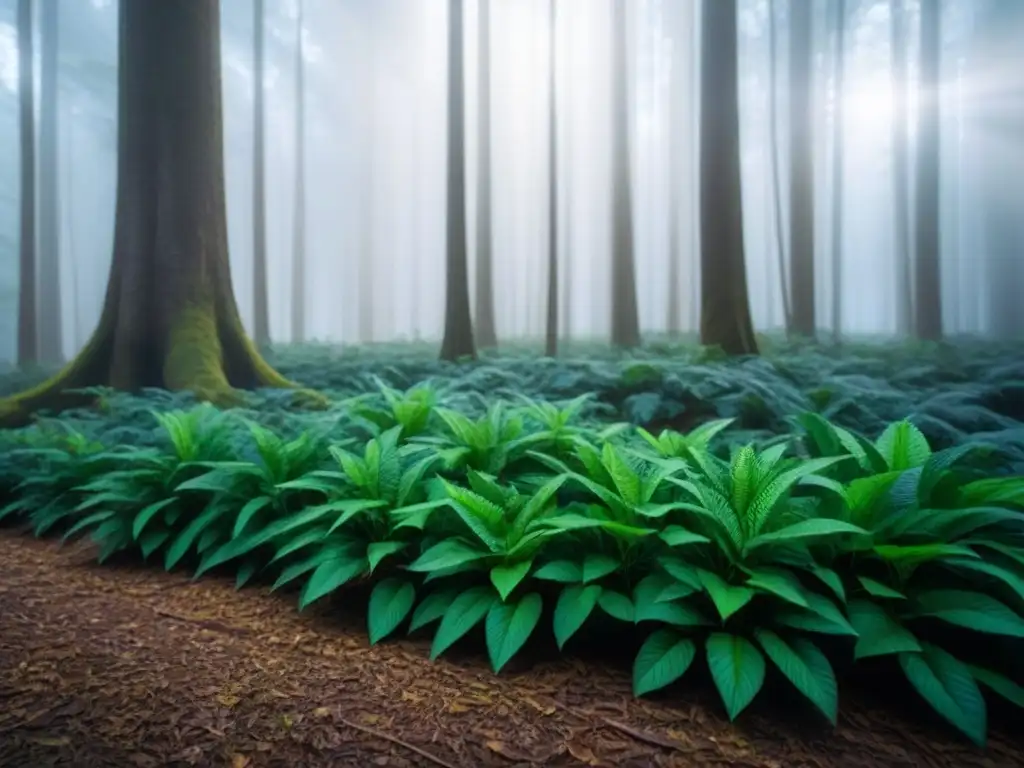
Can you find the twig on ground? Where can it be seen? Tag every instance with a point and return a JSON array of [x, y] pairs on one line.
[[395, 740]]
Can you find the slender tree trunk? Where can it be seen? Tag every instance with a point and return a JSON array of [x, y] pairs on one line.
[[625, 315], [773, 141], [801, 165], [486, 333], [900, 161], [260, 306], [169, 318], [676, 146], [51, 348], [838, 175], [28, 340], [299, 222], [725, 305], [927, 240], [551, 331], [367, 250], [458, 325]]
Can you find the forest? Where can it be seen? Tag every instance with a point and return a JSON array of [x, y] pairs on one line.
[[512, 383]]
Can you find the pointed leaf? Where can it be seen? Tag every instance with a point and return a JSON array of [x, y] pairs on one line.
[[509, 626], [663, 658], [738, 669]]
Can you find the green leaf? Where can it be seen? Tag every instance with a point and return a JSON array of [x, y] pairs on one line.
[[780, 583], [903, 446], [449, 553], [806, 668], [564, 571], [597, 566], [878, 589], [246, 571], [973, 610], [728, 598], [247, 512], [948, 686], [507, 577], [879, 633], [390, 602], [150, 541], [147, 513], [185, 539], [738, 669], [89, 521], [509, 626], [330, 575], [806, 529], [575, 604], [378, 550], [465, 612], [662, 659], [999, 684], [677, 536], [616, 605], [821, 615], [830, 579], [432, 608]]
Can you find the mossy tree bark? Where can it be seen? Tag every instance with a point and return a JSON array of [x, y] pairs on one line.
[[725, 305], [169, 318], [260, 301], [458, 324]]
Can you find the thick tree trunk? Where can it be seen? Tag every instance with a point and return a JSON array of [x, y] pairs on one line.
[[927, 240], [458, 325], [625, 315], [837, 175], [725, 305], [773, 141], [169, 318], [28, 340], [551, 330], [260, 309], [299, 222], [900, 157], [51, 348], [485, 328], [801, 160]]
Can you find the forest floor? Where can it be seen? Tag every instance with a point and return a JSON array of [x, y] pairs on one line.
[[121, 666]]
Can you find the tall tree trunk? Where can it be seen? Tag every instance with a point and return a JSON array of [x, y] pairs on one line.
[[299, 221], [927, 240], [801, 169], [773, 141], [900, 162], [367, 250], [28, 340], [725, 305], [837, 175], [458, 324], [260, 305], [625, 315], [51, 348], [677, 150], [551, 331], [169, 318], [486, 333]]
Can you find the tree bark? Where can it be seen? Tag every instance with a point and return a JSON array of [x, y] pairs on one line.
[[458, 325], [773, 141], [725, 305], [625, 315], [801, 165], [551, 330], [367, 251], [51, 348], [169, 317], [299, 223], [900, 156], [927, 240], [485, 328], [837, 175], [28, 340], [261, 309]]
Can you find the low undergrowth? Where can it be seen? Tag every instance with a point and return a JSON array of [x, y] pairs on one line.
[[812, 549]]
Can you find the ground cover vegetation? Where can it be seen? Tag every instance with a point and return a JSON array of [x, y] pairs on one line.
[[789, 519]]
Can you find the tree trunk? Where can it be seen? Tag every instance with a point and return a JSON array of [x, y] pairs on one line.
[[725, 305], [900, 158], [299, 221], [801, 165], [927, 240], [773, 142], [837, 175], [367, 249], [51, 348], [28, 340], [551, 331], [260, 308], [625, 316], [169, 318], [486, 332], [458, 325]]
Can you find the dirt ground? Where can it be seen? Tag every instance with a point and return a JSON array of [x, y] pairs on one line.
[[118, 666]]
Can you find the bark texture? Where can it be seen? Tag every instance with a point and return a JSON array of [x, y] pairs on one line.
[[51, 348], [261, 309], [725, 305], [458, 325], [169, 318], [801, 159], [485, 326], [28, 340]]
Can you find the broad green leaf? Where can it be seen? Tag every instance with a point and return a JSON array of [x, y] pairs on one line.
[[738, 669], [948, 686], [992, 571], [616, 605], [246, 571], [662, 659], [564, 571], [598, 566], [778, 582], [378, 550], [973, 610], [878, 589], [677, 536], [147, 513], [921, 553], [575, 604], [390, 602], [507, 576], [247, 512], [449, 553], [509, 626], [830, 579], [432, 608], [879, 634], [293, 571], [330, 575], [999, 684], [728, 598], [681, 571], [821, 615], [807, 669], [187, 537], [806, 529], [89, 521], [903, 446], [465, 612], [150, 541]]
